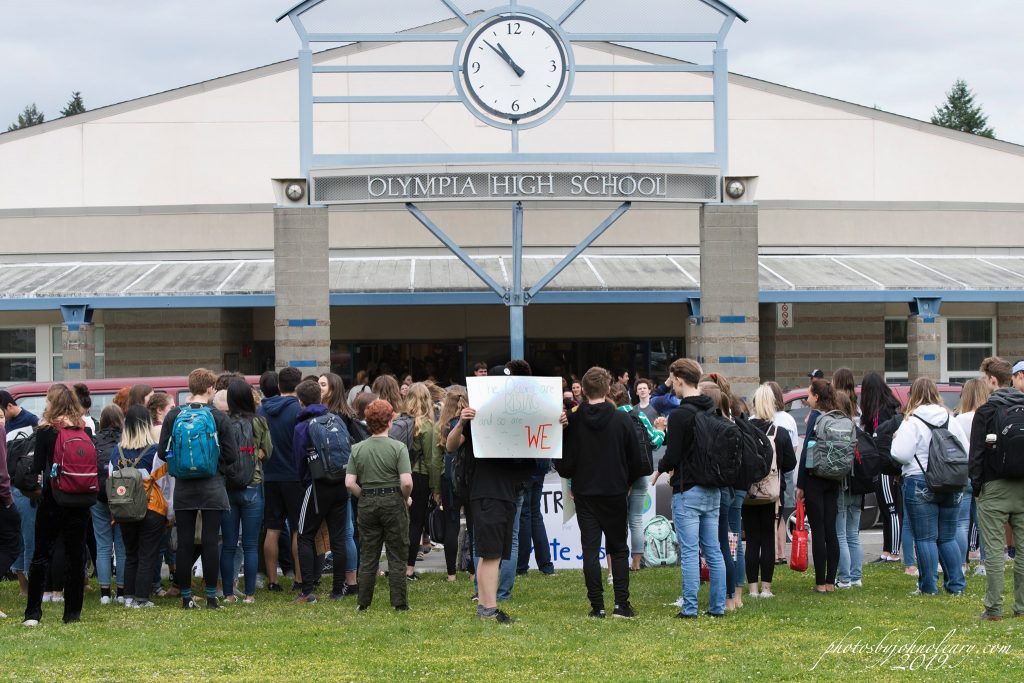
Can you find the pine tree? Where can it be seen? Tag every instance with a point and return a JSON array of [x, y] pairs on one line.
[[961, 113], [74, 106], [30, 117]]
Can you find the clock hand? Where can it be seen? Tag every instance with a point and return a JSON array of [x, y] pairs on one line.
[[508, 59]]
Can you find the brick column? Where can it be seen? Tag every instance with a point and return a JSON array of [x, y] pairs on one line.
[[302, 309], [727, 334], [924, 347], [79, 342], [1010, 331]]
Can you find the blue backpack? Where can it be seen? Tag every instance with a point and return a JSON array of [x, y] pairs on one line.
[[331, 448], [194, 445]]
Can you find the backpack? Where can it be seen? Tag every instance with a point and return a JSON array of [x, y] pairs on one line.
[[867, 463], [74, 478], [195, 447], [437, 523], [646, 445], [126, 489], [1008, 462], [718, 449], [660, 545], [758, 451], [21, 457], [835, 443], [106, 441], [768, 488], [331, 448], [464, 469], [403, 429], [947, 461], [245, 437], [357, 431], [882, 438]]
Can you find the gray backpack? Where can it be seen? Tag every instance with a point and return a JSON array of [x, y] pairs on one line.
[[835, 446], [660, 546], [126, 489]]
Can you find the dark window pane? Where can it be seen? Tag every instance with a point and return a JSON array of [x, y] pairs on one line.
[[896, 360], [663, 353], [895, 331], [967, 360], [969, 331], [18, 369], [22, 340]]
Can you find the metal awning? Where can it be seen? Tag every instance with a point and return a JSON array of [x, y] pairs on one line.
[[413, 280]]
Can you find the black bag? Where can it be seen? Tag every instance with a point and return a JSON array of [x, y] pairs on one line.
[[437, 523], [21, 455], [646, 445], [882, 438], [947, 461], [757, 455], [1008, 460], [867, 463], [245, 469], [465, 466], [718, 449]]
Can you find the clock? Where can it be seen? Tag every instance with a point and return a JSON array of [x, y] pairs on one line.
[[515, 67]]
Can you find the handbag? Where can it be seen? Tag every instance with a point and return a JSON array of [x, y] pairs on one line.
[[798, 556]]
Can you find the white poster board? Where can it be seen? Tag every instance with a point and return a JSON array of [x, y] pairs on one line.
[[562, 528], [516, 417]]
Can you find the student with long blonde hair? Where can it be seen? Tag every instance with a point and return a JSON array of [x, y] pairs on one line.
[[425, 458]]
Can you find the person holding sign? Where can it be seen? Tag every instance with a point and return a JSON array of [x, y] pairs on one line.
[[601, 455]]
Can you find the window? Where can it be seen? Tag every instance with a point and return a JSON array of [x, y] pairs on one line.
[[18, 354], [897, 363], [57, 352], [969, 341]]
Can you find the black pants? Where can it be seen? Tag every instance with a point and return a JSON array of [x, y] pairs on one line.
[[822, 500], [452, 526], [417, 514], [889, 503], [183, 561], [759, 530], [331, 504], [10, 537], [52, 521], [607, 515], [142, 546]]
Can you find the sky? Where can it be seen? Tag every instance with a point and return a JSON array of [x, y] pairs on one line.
[[898, 55]]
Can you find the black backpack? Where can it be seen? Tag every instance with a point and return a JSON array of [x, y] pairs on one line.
[[867, 464], [947, 461], [718, 449], [1008, 460], [882, 439], [245, 469], [757, 455], [646, 445], [21, 455]]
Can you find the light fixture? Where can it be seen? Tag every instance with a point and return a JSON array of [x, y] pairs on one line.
[[735, 188], [295, 191]]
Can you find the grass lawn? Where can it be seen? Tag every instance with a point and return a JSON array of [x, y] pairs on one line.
[[552, 639]]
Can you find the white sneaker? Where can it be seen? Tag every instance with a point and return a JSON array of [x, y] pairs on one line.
[[842, 585], [679, 603], [2, 615], [120, 599], [47, 597], [105, 600], [611, 581], [752, 594], [980, 570], [129, 602], [30, 622], [858, 583], [57, 598], [767, 594]]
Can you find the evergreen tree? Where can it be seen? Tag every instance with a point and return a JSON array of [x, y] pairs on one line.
[[961, 113], [74, 106], [30, 117]]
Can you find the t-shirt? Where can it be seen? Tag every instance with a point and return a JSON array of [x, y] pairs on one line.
[[496, 478], [377, 462], [23, 419]]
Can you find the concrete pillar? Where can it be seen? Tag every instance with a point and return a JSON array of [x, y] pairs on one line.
[[924, 347], [727, 333], [302, 309], [1010, 331], [78, 342]]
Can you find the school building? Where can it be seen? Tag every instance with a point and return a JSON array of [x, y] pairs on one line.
[[146, 237]]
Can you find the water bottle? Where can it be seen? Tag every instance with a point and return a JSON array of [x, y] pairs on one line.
[[810, 453]]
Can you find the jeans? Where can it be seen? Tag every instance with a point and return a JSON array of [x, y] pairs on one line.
[[726, 496], [27, 510], [532, 531], [963, 522], [107, 537], [636, 505], [507, 577], [907, 537], [247, 511], [933, 516], [851, 556], [736, 527], [351, 551], [695, 514]]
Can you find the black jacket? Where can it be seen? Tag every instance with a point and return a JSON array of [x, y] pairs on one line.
[[679, 443], [600, 451], [980, 465]]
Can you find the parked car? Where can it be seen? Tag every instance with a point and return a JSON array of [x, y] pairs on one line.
[[32, 396]]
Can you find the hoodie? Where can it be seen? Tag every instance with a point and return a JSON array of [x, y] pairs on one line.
[[664, 399], [679, 443], [300, 439], [280, 413], [981, 467], [600, 450], [911, 441]]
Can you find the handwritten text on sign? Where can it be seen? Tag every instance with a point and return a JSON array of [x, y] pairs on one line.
[[516, 417]]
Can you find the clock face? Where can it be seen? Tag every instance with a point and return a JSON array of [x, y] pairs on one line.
[[514, 67]]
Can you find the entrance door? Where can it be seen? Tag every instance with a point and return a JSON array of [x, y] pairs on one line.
[[443, 362]]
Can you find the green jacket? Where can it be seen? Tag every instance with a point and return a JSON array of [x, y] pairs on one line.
[[430, 463]]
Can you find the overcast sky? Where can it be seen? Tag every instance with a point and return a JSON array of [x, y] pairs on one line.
[[898, 55]]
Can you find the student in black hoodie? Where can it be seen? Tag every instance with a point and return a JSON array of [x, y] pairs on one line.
[[601, 454]]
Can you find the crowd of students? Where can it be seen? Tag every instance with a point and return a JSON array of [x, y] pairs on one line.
[[312, 468]]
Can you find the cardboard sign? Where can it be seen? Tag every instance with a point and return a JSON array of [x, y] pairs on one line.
[[516, 417]]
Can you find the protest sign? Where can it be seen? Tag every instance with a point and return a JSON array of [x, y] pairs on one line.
[[516, 417]]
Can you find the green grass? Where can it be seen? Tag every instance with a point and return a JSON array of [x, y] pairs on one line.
[[441, 639]]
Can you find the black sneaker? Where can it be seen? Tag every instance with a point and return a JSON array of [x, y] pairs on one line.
[[503, 618], [337, 596], [415, 576], [212, 603], [475, 598], [350, 589], [275, 588], [401, 608], [716, 616], [189, 603], [685, 616], [362, 608], [597, 613], [624, 611]]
